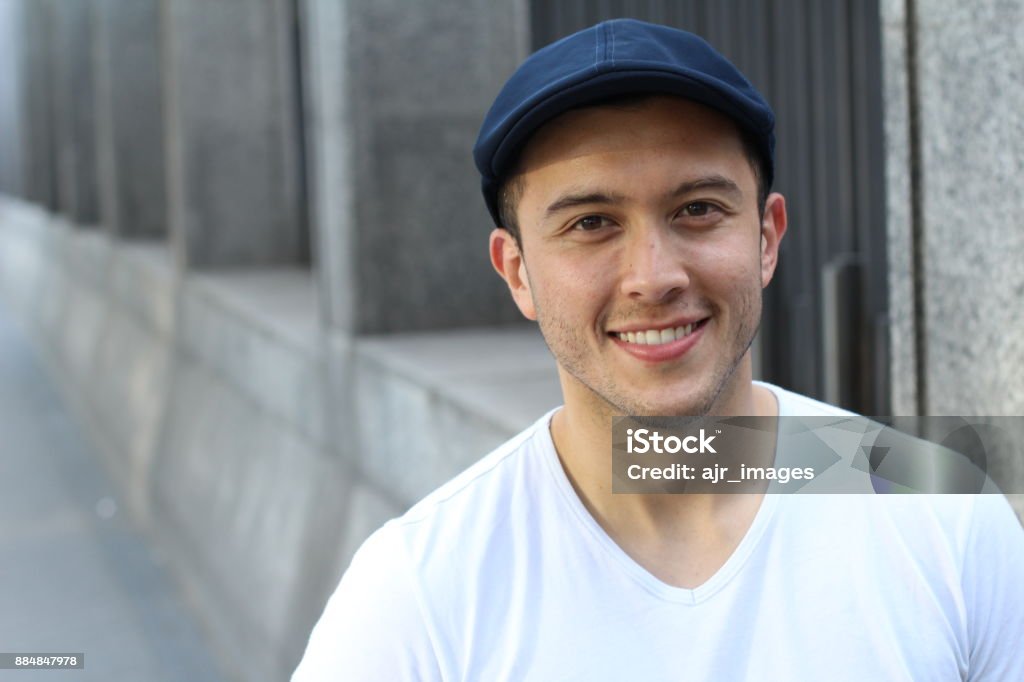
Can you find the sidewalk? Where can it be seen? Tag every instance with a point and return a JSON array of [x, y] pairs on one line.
[[74, 575]]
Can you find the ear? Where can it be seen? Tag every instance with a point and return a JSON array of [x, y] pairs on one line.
[[773, 228], [507, 259]]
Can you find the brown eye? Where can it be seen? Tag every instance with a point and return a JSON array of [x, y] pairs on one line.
[[590, 223], [697, 209]]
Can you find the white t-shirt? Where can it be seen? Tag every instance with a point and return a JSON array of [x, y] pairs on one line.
[[502, 574]]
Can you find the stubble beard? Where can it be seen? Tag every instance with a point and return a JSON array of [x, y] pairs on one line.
[[569, 346]]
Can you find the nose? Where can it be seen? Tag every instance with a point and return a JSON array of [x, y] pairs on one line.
[[655, 271]]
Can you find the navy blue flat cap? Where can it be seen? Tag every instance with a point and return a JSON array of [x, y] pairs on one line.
[[618, 57]]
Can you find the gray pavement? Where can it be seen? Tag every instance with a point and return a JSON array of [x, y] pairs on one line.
[[74, 574]]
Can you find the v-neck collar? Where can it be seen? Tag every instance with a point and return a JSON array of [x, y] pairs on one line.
[[641, 575]]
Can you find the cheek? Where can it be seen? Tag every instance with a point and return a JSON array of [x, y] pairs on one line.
[[573, 284], [728, 260], [734, 273]]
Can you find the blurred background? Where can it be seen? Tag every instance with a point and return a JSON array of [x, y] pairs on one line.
[[246, 310]]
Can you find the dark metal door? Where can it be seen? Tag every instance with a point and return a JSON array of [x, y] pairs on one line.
[[818, 62]]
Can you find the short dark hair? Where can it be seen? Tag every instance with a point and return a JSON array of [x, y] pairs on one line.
[[512, 185]]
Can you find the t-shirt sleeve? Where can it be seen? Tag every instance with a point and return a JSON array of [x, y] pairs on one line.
[[372, 628], [994, 592]]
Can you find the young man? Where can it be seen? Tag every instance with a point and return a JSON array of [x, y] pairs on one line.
[[627, 168]]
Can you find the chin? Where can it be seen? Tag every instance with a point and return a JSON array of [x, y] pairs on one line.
[[684, 406]]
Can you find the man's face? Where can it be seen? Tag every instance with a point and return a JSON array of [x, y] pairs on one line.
[[643, 255]]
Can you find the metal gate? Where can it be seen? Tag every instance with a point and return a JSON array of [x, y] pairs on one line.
[[818, 62]]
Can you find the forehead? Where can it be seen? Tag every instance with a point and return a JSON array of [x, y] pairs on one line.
[[632, 126]]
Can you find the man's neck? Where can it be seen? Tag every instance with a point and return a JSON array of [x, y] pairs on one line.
[[655, 528]]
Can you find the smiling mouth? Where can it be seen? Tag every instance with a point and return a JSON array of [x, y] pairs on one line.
[[657, 337]]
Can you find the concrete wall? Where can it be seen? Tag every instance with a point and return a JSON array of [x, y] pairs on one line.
[[230, 91], [211, 398], [391, 123], [36, 125], [11, 172], [73, 94], [955, 140], [130, 125], [955, 153], [970, 58], [899, 208]]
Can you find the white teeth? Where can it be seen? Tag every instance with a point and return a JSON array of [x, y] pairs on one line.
[[657, 336]]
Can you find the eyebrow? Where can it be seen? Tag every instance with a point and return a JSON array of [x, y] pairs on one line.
[[713, 182]]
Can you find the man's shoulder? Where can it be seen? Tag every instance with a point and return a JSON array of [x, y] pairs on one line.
[[479, 499], [928, 521], [792, 404], [434, 564], [492, 470]]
